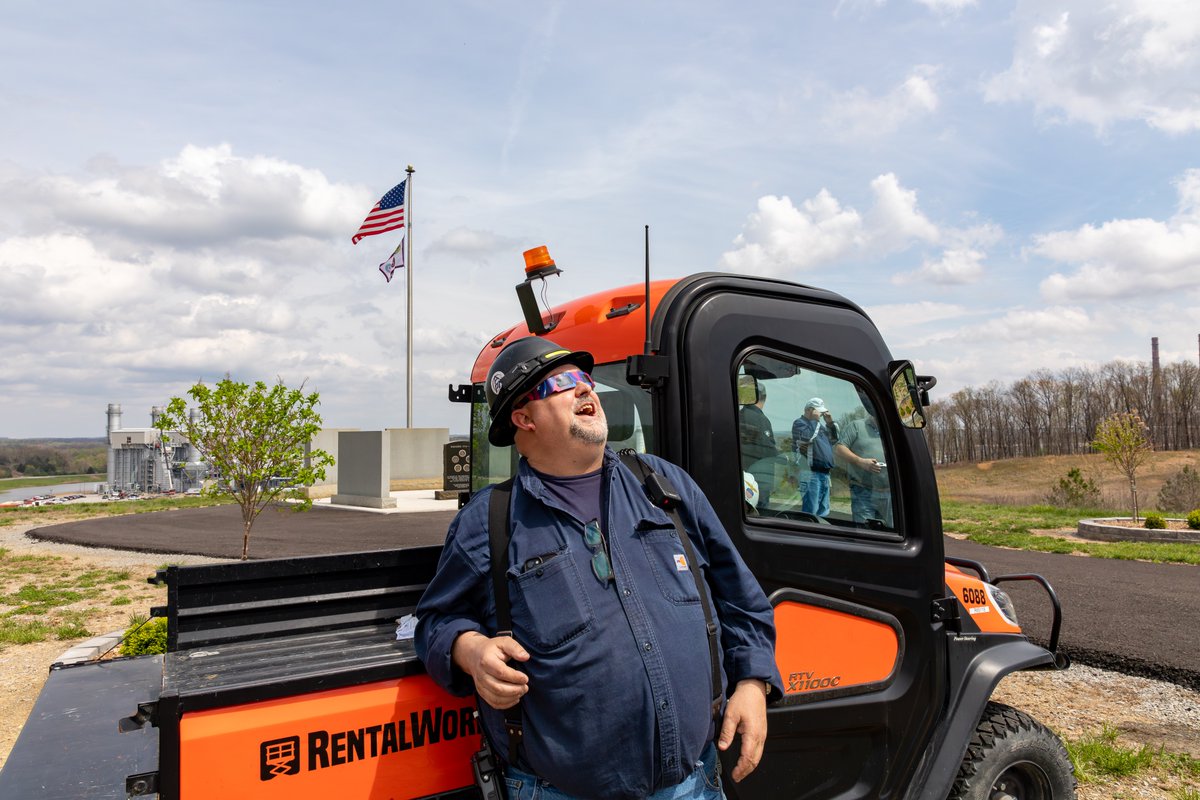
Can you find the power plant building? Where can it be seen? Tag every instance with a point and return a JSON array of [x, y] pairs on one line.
[[139, 460]]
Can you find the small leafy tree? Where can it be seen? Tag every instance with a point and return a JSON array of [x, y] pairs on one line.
[[1125, 443], [253, 435]]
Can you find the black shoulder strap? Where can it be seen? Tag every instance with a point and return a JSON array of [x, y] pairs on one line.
[[499, 532], [671, 505]]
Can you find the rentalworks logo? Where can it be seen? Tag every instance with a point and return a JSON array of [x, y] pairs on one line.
[[321, 749]]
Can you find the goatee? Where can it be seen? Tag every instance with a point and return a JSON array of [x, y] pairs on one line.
[[592, 434]]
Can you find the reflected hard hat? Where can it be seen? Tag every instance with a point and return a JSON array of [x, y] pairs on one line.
[[518, 370], [750, 488]]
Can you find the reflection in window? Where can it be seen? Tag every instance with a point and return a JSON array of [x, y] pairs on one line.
[[811, 447]]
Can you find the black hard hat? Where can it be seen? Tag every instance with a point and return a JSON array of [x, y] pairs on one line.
[[517, 371]]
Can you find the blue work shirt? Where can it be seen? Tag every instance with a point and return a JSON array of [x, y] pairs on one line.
[[619, 700]]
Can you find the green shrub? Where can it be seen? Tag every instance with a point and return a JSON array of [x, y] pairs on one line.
[[1194, 520], [1155, 521], [145, 638], [1180, 491], [1074, 490]]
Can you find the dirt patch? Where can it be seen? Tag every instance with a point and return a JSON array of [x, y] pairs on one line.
[[54, 569]]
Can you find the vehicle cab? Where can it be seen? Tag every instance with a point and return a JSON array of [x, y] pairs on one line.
[[888, 654]]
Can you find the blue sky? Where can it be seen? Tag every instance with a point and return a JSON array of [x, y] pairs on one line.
[[1004, 186]]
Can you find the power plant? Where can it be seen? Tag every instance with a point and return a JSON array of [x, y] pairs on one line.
[[149, 460]]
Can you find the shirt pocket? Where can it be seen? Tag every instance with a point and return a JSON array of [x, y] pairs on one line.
[[671, 567], [549, 605]]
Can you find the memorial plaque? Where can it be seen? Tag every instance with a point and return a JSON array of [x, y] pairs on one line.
[[456, 466]]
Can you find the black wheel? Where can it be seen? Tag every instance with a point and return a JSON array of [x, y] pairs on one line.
[[1013, 757]]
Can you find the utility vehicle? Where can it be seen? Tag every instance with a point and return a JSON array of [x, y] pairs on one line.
[[285, 678]]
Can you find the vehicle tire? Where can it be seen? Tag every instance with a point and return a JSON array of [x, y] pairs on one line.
[[1012, 756]]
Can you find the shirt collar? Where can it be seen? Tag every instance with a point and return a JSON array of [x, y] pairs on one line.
[[644, 511]]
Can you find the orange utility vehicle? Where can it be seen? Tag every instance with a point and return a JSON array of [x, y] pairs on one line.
[[288, 678]]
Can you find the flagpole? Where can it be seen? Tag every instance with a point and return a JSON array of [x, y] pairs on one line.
[[408, 262]]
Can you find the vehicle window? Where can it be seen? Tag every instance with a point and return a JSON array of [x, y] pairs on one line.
[[627, 409], [811, 448]]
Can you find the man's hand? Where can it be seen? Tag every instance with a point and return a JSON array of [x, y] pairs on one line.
[[746, 714], [486, 661]]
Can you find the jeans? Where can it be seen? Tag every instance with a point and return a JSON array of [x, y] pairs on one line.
[[816, 494], [703, 784], [867, 503]]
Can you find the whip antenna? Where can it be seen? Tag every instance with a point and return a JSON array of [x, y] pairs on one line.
[[646, 304]]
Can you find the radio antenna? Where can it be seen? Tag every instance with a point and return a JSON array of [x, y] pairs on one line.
[[646, 304]]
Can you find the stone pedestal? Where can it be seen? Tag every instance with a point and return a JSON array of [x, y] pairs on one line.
[[365, 469]]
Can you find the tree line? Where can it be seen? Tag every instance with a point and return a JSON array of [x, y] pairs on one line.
[[26, 458], [1057, 413]]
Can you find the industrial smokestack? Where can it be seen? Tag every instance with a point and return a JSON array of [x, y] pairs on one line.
[[114, 424], [193, 454], [1154, 354], [114, 418], [157, 411]]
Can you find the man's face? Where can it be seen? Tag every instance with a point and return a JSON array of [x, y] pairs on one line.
[[812, 413], [574, 413]]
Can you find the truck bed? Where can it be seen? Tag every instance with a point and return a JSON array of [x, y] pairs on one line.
[[298, 663]]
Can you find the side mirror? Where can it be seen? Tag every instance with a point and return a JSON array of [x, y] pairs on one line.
[[907, 393]]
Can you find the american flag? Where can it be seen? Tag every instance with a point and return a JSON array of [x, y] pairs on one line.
[[387, 215], [394, 263]]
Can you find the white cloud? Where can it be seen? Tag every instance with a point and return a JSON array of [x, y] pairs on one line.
[[471, 245], [1101, 63], [923, 310], [962, 260], [858, 113], [63, 278], [781, 240], [955, 266], [894, 220], [1128, 258], [948, 6], [204, 195], [1033, 324]]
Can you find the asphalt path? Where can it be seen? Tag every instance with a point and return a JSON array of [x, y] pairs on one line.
[[216, 531], [1130, 616]]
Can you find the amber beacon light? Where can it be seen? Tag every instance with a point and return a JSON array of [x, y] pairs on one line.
[[538, 266]]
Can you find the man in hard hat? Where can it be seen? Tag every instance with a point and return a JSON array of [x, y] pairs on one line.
[[609, 655]]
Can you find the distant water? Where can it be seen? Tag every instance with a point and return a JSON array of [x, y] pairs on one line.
[[58, 488]]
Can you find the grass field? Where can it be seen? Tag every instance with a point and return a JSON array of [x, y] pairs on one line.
[[1033, 527], [1027, 481], [48, 480]]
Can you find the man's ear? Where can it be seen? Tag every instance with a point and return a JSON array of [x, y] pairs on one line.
[[521, 420]]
